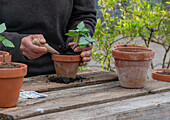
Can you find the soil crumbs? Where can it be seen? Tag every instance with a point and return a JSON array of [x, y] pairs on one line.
[[164, 73], [6, 65], [66, 80]]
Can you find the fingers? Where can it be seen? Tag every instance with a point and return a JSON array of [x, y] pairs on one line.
[[71, 44], [78, 49], [32, 51]]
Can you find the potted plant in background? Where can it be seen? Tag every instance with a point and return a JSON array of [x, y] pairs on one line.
[[11, 76]]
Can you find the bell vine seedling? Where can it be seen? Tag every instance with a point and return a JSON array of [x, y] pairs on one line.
[[81, 35], [4, 41]]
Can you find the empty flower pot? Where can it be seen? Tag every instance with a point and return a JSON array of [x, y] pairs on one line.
[[132, 65]]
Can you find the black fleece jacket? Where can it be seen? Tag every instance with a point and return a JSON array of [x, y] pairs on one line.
[[52, 18]]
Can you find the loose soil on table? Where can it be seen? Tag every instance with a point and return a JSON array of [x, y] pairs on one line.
[[164, 73], [66, 80], [6, 117], [44, 83], [6, 65]]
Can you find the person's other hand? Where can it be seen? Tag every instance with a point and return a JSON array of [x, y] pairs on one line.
[[30, 50], [85, 52]]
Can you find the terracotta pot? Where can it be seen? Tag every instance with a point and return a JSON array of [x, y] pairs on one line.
[[6, 56], [132, 65], [10, 84], [155, 75], [66, 65]]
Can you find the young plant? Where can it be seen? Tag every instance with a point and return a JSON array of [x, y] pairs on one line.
[[4, 41], [81, 36]]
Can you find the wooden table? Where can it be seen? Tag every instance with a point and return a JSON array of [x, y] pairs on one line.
[[99, 96]]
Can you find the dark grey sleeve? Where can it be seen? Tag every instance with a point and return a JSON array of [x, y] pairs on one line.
[[15, 38], [83, 10]]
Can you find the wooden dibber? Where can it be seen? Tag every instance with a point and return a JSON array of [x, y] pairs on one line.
[[49, 48]]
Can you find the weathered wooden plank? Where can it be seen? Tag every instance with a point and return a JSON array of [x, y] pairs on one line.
[[78, 97], [151, 107], [41, 83], [154, 86], [74, 98]]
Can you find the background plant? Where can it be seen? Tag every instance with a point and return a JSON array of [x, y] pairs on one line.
[[137, 19], [4, 41]]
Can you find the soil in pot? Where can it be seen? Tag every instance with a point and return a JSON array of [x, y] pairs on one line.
[[5, 65], [164, 73], [161, 74]]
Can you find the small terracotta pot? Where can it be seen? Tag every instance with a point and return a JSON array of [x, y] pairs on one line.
[[6, 56], [66, 65], [10, 84], [132, 65], [155, 75]]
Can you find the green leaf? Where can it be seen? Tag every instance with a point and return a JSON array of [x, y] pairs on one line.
[[90, 39], [71, 33], [81, 46], [81, 25], [167, 2], [85, 30], [2, 27], [8, 43], [2, 38], [83, 41]]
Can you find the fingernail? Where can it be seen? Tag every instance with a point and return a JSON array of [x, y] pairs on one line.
[[42, 41]]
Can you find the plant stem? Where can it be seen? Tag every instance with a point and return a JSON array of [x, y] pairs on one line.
[[77, 41], [3, 58], [168, 64], [166, 52]]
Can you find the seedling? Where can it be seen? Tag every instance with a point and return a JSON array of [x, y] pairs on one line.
[[4, 41], [81, 36]]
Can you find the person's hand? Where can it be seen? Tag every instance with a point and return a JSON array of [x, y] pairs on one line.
[[85, 52], [32, 51]]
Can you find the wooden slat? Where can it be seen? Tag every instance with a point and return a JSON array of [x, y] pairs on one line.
[[151, 107], [73, 98], [42, 84]]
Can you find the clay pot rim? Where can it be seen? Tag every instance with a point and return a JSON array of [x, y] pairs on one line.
[[158, 76], [133, 56], [129, 46], [23, 68], [66, 58]]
